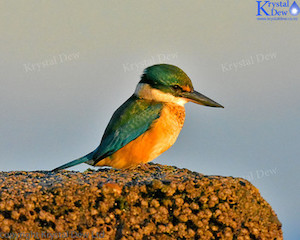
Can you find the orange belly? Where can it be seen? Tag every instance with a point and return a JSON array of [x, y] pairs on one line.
[[159, 138]]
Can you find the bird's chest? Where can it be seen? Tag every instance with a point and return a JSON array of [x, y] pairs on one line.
[[171, 119], [167, 128]]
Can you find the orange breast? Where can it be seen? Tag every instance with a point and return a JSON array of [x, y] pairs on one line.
[[159, 138]]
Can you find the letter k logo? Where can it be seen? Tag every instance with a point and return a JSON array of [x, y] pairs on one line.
[[259, 7]]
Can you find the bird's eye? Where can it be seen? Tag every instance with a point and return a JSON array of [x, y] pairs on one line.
[[176, 87]]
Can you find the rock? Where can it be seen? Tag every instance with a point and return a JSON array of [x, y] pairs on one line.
[[161, 202]]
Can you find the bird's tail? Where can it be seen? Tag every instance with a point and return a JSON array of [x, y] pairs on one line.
[[83, 159]]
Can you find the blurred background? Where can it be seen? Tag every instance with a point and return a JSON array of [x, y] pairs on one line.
[[65, 67]]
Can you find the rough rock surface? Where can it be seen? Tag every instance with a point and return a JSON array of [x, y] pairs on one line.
[[161, 202]]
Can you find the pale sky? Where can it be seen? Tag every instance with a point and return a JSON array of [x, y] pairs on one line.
[[66, 66]]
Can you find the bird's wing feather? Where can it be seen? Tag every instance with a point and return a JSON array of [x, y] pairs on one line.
[[128, 122]]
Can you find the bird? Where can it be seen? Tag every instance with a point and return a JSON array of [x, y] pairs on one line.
[[148, 123]]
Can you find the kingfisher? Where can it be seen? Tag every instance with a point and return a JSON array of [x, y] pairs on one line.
[[148, 123]]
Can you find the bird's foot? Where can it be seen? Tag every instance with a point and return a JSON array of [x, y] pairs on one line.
[[144, 166]]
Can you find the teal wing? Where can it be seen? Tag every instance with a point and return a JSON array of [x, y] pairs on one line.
[[128, 122]]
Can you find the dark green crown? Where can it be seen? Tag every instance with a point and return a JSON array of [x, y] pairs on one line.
[[167, 78]]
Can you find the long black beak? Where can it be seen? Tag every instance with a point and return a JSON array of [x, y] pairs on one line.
[[199, 98]]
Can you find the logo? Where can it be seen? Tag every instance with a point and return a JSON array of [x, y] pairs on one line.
[[277, 10], [294, 9]]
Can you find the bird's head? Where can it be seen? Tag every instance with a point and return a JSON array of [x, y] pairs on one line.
[[168, 83]]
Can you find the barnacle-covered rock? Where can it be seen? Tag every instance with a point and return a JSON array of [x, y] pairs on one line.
[[162, 202]]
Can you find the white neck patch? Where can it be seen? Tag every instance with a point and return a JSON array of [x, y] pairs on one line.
[[144, 91]]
